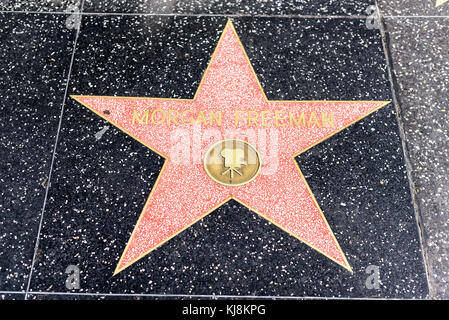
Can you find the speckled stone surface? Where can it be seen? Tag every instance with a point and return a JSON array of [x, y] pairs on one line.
[[419, 50], [38, 5], [166, 298], [101, 181], [266, 7], [12, 296], [413, 8], [35, 54]]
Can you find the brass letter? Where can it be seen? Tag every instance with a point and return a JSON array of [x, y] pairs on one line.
[[327, 118], [170, 112], [300, 121], [252, 116], [140, 120], [163, 116], [183, 120], [263, 123], [313, 120], [213, 116], [277, 118]]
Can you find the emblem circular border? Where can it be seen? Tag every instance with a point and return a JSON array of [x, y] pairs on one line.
[[229, 184]]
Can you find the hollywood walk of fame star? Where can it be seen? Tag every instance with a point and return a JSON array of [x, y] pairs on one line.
[[184, 193], [440, 2]]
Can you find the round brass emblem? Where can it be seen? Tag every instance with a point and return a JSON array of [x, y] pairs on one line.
[[232, 162]]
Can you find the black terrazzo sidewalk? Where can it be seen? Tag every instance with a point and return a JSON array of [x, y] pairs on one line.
[[73, 186]]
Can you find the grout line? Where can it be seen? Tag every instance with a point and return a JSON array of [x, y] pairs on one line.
[[407, 161], [54, 155], [418, 17], [213, 296], [230, 15]]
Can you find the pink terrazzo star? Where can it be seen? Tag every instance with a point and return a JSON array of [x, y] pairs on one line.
[[184, 193]]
